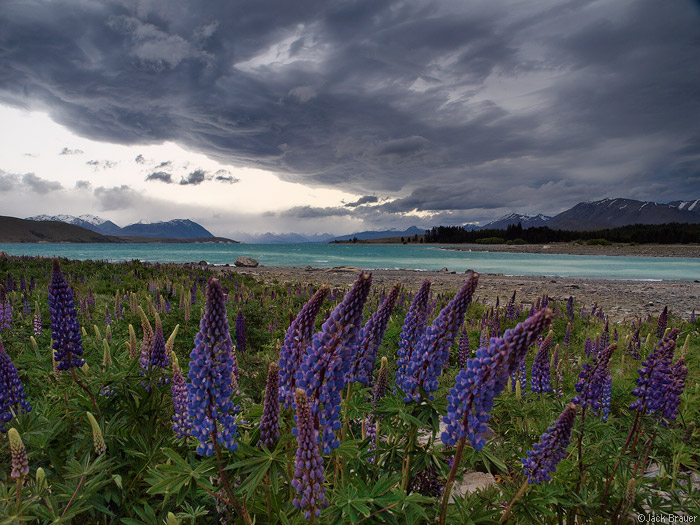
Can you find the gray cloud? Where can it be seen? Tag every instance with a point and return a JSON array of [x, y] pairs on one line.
[[493, 108], [39, 185], [161, 176], [164, 164], [366, 199], [68, 151], [195, 178], [83, 185], [140, 159], [116, 198], [101, 164], [228, 179], [8, 181]]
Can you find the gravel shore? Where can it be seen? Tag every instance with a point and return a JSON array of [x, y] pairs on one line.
[[620, 299], [571, 248]]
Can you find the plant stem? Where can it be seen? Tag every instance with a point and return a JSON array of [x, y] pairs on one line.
[[409, 452], [580, 449], [451, 479], [619, 459], [510, 505], [19, 494], [87, 389], [82, 478], [239, 504]]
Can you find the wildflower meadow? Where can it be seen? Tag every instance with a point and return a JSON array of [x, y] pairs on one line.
[[141, 393]]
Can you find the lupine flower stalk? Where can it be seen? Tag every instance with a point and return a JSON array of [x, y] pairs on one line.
[[269, 424], [471, 399], [13, 398], [97, 438], [463, 349], [674, 389], [551, 449], [170, 343], [411, 333], [541, 377], [377, 395], [5, 310], [240, 332], [147, 341], [182, 424], [296, 341], [592, 379], [65, 330], [370, 337], [325, 366], [133, 348], [663, 321], [434, 348], [212, 365], [18, 456], [476, 386], [37, 319], [308, 476], [654, 376]]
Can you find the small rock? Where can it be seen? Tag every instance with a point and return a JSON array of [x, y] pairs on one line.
[[246, 262], [470, 482], [445, 269], [203, 263], [650, 303], [308, 268]]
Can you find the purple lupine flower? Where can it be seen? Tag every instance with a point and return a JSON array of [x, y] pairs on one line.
[[588, 347], [558, 376], [308, 476], [484, 338], [567, 337], [270, 424], [606, 396], [522, 377], [510, 307], [159, 355], [463, 349], [370, 336], [476, 386], [540, 380], [37, 319], [434, 348], [240, 332], [182, 424], [692, 316], [65, 330], [326, 364], [13, 398], [211, 372], [5, 310], [655, 375], [663, 321], [570, 308], [18, 456], [108, 317], [297, 339], [413, 329], [551, 449], [672, 393], [592, 379]]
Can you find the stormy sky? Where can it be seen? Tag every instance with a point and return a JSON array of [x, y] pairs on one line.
[[339, 116]]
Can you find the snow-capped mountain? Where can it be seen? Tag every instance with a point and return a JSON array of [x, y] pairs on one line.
[[87, 221], [527, 221], [174, 229], [611, 213], [692, 206]]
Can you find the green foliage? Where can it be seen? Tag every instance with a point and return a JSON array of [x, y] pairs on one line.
[[147, 472]]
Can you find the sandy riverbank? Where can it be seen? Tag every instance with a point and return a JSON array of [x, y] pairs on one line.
[[620, 299], [570, 248]]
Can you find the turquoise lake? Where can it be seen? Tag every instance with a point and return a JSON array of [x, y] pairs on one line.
[[421, 257]]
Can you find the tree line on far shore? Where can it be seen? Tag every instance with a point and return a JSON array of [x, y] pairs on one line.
[[671, 233]]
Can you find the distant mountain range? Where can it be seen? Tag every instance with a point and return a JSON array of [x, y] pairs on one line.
[[606, 213], [173, 229]]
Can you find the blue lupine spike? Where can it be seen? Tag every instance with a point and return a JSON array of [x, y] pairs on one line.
[[65, 330], [13, 398], [655, 375], [541, 377], [433, 350], [370, 337], [551, 449], [269, 423], [411, 333], [592, 378], [471, 399], [211, 374], [296, 341], [326, 364]]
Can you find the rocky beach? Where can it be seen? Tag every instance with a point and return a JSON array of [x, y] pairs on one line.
[[620, 299]]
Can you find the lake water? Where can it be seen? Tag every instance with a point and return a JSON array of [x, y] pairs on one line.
[[373, 256]]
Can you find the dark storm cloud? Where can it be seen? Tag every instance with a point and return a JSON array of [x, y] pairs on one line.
[[161, 176], [195, 178], [367, 199], [466, 107]]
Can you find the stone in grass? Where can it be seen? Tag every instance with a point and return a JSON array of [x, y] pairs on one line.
[[471, 482], [246, 262]]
